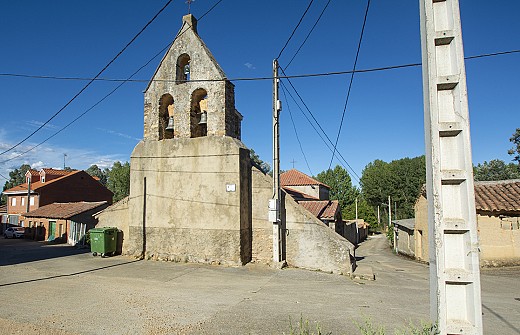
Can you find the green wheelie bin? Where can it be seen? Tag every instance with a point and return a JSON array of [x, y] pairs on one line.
[[103, 241]]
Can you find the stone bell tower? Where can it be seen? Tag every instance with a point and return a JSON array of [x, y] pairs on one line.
[[190, 177], [189, 95]]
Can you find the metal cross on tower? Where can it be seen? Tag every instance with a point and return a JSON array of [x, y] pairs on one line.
[[189, 5]]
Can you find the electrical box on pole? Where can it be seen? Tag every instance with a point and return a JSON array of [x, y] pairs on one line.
[[454, 255]]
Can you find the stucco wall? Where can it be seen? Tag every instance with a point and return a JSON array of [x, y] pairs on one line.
[[421, 229], [116, 215], [499, 240], [406, 242], [197, 200], [310, 244]]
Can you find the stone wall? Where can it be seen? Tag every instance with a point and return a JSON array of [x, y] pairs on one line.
[[223, 120], [195, 194], [310, 244]]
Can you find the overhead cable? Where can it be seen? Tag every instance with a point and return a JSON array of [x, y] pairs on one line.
[[91, 81], [295, 28], [309, 34], [109, 94], [307, 75], [350, 83]]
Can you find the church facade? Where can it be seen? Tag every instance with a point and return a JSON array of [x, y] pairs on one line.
[[194, 194]]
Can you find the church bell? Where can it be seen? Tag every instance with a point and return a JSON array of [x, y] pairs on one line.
[[203, 118], [170, 124]]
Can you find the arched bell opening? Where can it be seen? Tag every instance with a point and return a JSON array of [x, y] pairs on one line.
[[183, 69], [166, 111], [199, 113]]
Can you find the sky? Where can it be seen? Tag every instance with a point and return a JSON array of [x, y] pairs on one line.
[[384, 116]]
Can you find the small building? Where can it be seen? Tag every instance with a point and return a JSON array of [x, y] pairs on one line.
[[48, 186], [313, 195], [497, 206], [405, 236], [68, 222]]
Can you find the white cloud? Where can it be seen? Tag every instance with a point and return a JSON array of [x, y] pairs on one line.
[[36, 124], [112, 132], [250, 66]]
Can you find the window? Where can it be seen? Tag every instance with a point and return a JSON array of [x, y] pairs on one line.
[[23, 201], [183, 69], [166, 111], [199, 106], [13, 201], [31, 201]]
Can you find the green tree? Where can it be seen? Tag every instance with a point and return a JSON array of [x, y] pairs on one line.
[[515, 150], [119, 180], [95, 171], [365, 212], [16, 177], [263, 166], [341, 188], [496, 169], [400, 179]]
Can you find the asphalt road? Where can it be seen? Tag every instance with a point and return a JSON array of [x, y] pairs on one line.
[[61, 290]]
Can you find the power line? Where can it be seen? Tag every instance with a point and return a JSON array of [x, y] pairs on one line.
[[110, 93], [295, 131], [91, 81], [295, 28], [309, 34], [307, 75], [318, 124], [351, 81]]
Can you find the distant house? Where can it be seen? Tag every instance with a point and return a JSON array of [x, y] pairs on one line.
[[66, 221], [405, 234], [48, 186], [497, 206], [313, 195]]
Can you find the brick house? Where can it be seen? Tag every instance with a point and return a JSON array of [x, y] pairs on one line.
[[49, 186], [66, 221], [313, 195], [497, 206]]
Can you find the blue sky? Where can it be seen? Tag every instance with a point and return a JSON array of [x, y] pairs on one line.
[[384, 118]]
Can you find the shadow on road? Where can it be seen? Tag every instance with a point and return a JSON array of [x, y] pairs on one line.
[[498, 316], [68, 274], [14, 251]]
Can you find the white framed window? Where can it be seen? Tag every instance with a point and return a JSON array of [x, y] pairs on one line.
[[23, 201], [31, 201], [13, 201]]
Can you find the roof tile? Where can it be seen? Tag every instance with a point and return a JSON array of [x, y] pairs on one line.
[[296, 178]]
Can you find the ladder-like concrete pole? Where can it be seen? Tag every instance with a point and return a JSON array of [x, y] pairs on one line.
[[454, 254]]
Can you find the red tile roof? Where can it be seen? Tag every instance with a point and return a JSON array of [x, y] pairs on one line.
[[296, 178], [498, 196], [63, 210], [322, 209], [33, 172], [36, 185], [54, 172]]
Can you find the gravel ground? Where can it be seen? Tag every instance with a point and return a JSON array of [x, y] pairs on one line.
[[61, 290]]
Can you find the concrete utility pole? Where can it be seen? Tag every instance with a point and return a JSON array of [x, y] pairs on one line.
[[274, 203], [454, 260], [389, 213]]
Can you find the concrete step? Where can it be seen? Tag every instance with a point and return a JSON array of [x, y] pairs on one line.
[[364, 272]]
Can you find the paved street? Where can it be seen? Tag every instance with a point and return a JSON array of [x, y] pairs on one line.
[[61, 290]]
